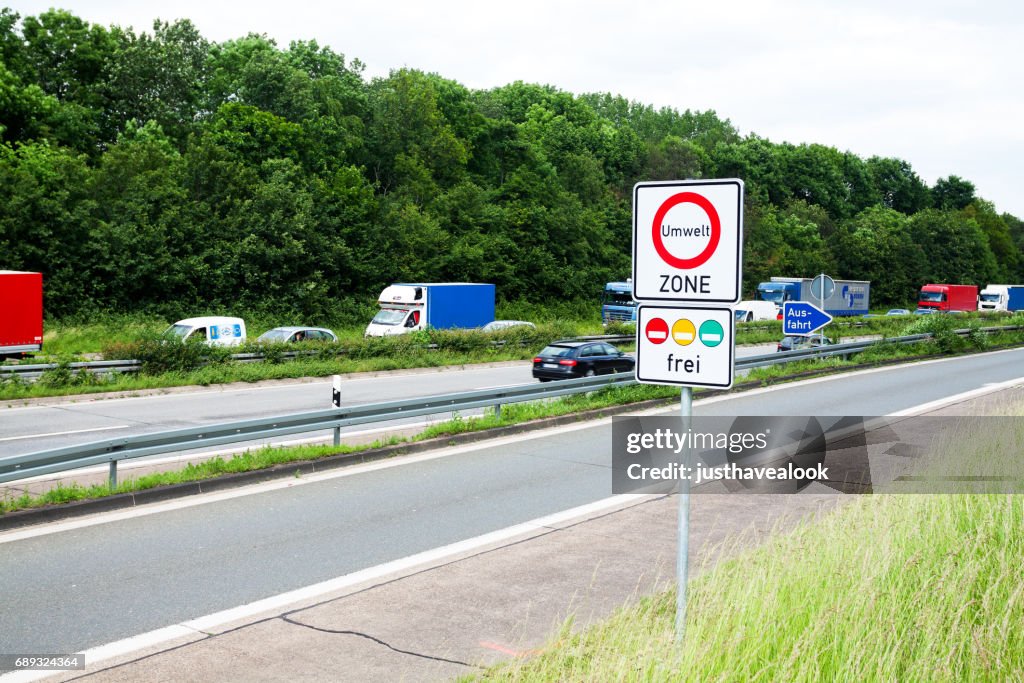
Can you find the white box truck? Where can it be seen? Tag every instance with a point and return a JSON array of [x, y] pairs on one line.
[[407, 307]]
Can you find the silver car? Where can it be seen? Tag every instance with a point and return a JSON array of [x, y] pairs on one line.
[[285, 335], [496, 325]]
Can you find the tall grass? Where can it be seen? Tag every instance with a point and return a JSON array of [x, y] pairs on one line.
[[910, 587]]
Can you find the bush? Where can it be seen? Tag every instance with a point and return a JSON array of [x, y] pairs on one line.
[[64, 376], [617, 327], [159, 355]]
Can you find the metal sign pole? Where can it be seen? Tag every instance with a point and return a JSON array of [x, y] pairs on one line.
[[683, 548], [821, 298]]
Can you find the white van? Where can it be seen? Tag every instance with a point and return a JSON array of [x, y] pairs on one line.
[[755, 310], [215, 330]]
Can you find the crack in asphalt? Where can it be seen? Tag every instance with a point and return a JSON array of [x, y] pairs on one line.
[[360, 634]]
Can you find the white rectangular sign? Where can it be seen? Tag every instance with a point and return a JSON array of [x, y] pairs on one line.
[[690, 347], [688, 241]]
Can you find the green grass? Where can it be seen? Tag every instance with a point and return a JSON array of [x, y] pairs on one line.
[[909, 587]]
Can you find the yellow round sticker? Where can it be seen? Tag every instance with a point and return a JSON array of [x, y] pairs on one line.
[[683, 332]]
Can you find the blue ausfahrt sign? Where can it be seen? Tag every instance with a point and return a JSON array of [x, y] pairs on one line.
[[801, 318]]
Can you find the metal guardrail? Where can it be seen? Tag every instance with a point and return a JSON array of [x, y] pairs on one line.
[[113, 450]]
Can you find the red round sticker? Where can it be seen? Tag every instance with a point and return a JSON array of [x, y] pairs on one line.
[[656, 330], [716, 230]]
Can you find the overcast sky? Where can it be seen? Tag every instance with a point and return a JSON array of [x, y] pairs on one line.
[[937, 83]]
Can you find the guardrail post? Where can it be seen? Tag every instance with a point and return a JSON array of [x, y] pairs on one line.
[[497, 410], [113, 475]]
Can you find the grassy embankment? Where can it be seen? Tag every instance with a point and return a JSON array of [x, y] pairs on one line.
[[888, 588], [513, 414]]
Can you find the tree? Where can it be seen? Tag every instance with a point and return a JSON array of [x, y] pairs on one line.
[[899, 186], [46, 219], [955, 248], [1000, 241], [144, 240], [952, 193], [876, 245], [778, 243], [406, 120], [674, 159], [159, 77]]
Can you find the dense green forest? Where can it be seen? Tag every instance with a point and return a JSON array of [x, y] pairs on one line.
[[164, 172]]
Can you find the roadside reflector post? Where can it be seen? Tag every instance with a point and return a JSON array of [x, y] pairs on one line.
[[336, 400]]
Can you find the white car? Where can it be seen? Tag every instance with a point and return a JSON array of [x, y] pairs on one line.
[[213, 330]]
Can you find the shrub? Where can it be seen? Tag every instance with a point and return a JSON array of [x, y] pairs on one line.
[[617, 327], [159, 355]]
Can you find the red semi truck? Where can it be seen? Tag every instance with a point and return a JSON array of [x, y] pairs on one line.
[[21, 312], [948, 298]]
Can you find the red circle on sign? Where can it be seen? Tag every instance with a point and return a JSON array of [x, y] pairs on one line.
[[656, 330], [716, 230]]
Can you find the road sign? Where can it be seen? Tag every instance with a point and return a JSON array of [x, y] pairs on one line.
[[820, 283], [688, 241], [803, 318], [693, 346]]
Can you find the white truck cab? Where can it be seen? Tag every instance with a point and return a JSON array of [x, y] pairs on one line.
[[403, 309], [213, 330], [747, 311], [994, 298]]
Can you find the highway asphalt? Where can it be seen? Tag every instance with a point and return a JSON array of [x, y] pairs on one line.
[[40, 427], [71, 590]]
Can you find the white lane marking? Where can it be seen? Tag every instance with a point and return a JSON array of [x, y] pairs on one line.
[[201, 625], [76, 431], [990, 388]]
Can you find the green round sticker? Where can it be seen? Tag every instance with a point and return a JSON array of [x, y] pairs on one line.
[[711, 333]]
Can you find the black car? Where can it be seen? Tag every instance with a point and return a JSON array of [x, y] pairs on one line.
[[564, 360]]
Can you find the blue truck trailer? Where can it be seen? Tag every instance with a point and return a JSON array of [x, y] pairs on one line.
[[617, 303], [850, 298], [407, 307]]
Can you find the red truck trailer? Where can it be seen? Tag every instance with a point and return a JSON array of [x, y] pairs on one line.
[[949, 298], [21, 312]]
